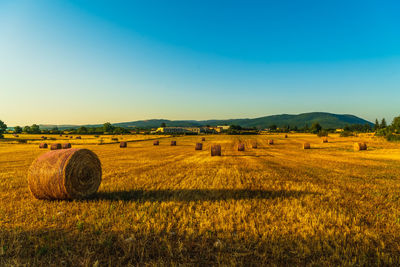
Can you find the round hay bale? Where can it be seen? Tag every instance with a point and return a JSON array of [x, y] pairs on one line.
[[78, 137], [254, 145], [199, 146], [42, 145], [71, 137], [55, 146], [215, 150], [123, 144], [156, 143], [44, 137], [65, 174], [203, 139], [240, 147], [325, 140], [360, 146], [270, 142], [66, 145], [306, 146], [173, 143], [286, 136]]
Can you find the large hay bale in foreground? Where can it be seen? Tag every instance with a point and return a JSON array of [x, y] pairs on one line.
[[203, 139], [65, 174], [42, 145], [360, 146], [156, 143], [66, 146], [240, 147], [215, 150], [55, 146], [173, 143], [199, 146], [270, 142], [306, 146], [123, 144]]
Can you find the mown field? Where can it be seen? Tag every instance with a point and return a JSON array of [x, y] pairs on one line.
[[162, 205]]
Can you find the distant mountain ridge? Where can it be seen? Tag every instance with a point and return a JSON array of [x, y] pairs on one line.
[[327, 120]]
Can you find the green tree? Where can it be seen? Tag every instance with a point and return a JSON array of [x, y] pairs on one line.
[[383, 123], [27, 129], [3, 128], [316, 127], [107, 127], [163, 125], [82, 130], [377, 125], [396, 124], [35, 129], [17, 129]]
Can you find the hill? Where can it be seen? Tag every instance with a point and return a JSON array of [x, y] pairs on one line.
[[327, 120]]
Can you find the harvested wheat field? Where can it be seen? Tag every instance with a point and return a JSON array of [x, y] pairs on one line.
[[163, 205]]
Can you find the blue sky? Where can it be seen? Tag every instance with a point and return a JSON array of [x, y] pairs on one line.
[[78, 62]]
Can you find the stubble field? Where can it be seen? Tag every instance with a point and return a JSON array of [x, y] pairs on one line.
[[165, 205]]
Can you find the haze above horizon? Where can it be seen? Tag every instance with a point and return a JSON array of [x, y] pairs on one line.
[[87, 62]]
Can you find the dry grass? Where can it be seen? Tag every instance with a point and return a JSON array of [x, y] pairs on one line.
[[274, 205]]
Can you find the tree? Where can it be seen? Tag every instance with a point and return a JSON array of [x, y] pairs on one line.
[[3, 128], [376, 126], [82, 130], [107, 127], [383, 123], [35, 129], [273, 127], [396, 124], [27, 129], [316, 127], [17, 129], [163, 125]]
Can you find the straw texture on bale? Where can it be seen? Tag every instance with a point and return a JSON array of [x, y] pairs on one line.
[[199, 146], [156, 143], [173, 143], [55, 146], [43, 145], [270, 142], [240, 147], [123, 144], [65, 174], [306, 146], [216, 150], [203, 139], [254, 145], [66, 145], [360, 146]]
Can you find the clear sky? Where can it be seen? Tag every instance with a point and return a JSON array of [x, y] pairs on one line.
[[78, 62]]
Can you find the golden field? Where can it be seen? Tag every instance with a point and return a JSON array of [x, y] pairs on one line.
[[164, 205]]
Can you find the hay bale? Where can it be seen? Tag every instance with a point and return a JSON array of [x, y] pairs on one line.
[[55, 146], [203, 139], [240, 147], [78, 137], [199, 146], [254, 145], [123, 144], [270, 142], [66, 145], [42, 145], [360, 146], [286, 136], [306, 146], [173, 143], [325, 140], [65, 174], [44, 137], [156, 143], [215, 150], [71, 137]]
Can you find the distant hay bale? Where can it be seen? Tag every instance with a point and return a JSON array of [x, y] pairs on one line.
[[360, 146], [203, 139], [123, 144], [325, 140], [173, 143], [254, 145], [78, 137], [270, 142], [156, 143], [15, 135], [71, 137], [199, 146], [240, 147], [215, 150], [66, 136], [65, 174], [306, 146], [42, 145], [55, 146], [44, 137], [60, 134], [66, 145], [286, 136]]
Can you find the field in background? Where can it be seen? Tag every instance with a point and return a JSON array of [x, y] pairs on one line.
[[277, 204]]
